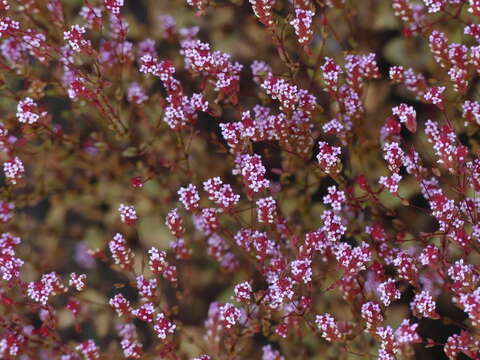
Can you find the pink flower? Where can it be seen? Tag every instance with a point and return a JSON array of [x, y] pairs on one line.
[[128, 214], [302, 24], [163, 326], [75, 38], [229, 314]]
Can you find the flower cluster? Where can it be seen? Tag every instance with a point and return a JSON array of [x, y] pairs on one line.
[[302, 24], [221, 194], [49, 285], [10, 264], [128, 214], [76, 38], [251, 169], [28, 112], [121, 253], [14, 170], [305, 174]]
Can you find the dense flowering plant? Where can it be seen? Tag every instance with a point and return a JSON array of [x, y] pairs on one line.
[[233, 179]]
